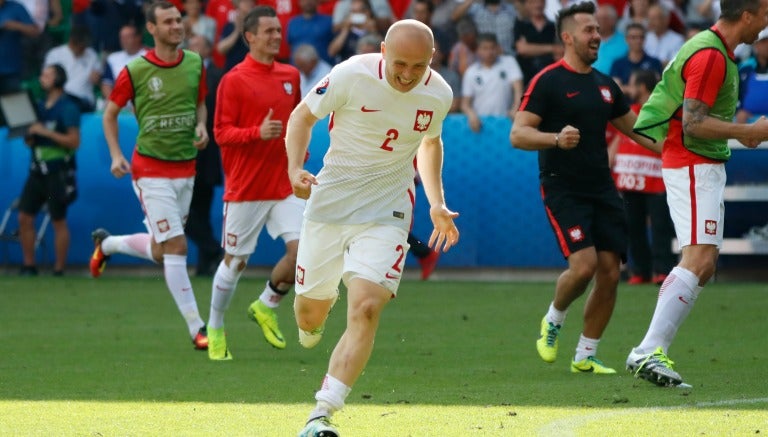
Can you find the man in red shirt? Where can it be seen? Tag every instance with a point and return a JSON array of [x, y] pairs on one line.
[[255, 99]]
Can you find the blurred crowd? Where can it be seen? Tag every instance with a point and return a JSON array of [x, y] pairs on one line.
[[488, 50]]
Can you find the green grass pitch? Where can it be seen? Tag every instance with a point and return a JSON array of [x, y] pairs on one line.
[[111, 357]]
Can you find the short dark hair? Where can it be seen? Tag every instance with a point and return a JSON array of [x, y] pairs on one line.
[[80, 35], [731, 10], [59, 76], [646, 78], [430, 5], [635, 25], [151, 15], [487, 37], [251, 20], [579, 8]]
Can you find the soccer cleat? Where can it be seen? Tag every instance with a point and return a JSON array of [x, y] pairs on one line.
[[546, 345], [428, 264], [591, 365], [98, 259], [201, 339], [655, 367], [638, 280], [659, 279], [319, 427], [217, 345], [267, 319]]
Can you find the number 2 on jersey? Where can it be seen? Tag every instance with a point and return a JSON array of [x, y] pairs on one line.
[[392, 134]]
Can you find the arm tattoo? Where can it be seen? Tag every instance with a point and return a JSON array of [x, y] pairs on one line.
[[694, 112]]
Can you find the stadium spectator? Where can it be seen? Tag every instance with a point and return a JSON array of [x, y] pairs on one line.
[[15, 23], [105, 18], [661, 42], [51, 181], [208, 172], [380, 10], [167, 87], [197, 23], [82, 65], [358, 23], [636, 58], [231, 44], [257, 191], [564, 115], [491, 16], [690, 112], [311, 68], [310, 27], [637, 172], [462, 54], [612, 43], [222, 12], [753, 82], [493, 85], [370, 43], [132, 48], [44, 13], [356, 225], [535, 39]]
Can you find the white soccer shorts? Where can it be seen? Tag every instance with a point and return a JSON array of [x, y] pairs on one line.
[[695, 199], [166, 205], [329, 253], [243, 222]]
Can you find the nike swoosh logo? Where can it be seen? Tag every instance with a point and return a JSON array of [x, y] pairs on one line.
[[388, 276], [364, 109], [590, 370], [186, 289], [571, 95], [682, 300]]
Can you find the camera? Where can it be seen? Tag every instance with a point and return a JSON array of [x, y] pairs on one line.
[[357, 18]]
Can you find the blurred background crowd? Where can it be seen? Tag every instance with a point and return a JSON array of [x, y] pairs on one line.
[[488, 50]]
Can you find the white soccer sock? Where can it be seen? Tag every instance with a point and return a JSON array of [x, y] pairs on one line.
[[676, 298], [138, 245], [587, 347], [330, 397], [555, 316], [224, 285], [177, 279], [271, 297]]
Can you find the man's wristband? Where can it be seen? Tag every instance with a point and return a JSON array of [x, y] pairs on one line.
[[557, 140]]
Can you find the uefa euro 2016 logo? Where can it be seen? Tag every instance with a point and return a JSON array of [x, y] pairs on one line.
[[155, 86]]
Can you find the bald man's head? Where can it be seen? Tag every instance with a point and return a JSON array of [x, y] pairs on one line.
[[407, 51]]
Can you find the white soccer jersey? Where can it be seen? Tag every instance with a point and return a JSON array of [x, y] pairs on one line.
[[491, 87], [375, 131]]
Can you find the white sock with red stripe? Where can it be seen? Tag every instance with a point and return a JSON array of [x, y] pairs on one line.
[[138, 245], [555, 316], [586, 348], [177, 279], [676, 298]]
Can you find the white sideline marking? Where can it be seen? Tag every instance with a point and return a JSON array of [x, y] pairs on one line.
[[568, 427]]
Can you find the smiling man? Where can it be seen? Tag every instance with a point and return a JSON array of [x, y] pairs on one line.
[[255, 99], [387, 108], [563, 115]]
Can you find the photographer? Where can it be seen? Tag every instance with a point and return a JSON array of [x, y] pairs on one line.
[[53, 139]]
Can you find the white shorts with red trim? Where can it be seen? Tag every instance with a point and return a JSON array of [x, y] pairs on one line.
[[166, 205], [695, 198], [243, 222], [329, 253]]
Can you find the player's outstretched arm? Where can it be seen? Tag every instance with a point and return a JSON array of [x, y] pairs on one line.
[[297, 136], [430, 163]]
